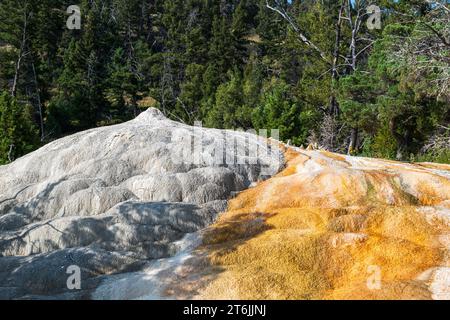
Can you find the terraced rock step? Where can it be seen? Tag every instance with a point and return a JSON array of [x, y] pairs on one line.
[[113, 199], [327, 227]]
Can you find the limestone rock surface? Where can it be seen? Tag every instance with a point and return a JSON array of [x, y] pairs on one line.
[[111, 199]]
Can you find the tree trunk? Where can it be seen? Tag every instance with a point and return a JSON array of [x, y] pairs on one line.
[[39, 104], [10, 153], [337, 43], [353, 146], [302, 37], [16, 75], [402, 141], [21, 53], [334, 105]]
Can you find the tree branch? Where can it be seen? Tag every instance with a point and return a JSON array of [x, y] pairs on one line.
[[297, 30]]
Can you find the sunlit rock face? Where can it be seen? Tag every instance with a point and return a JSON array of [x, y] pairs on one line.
[[327, 227], [111, 199]]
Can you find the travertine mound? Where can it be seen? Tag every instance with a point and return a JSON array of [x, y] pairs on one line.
[[136, 209], [333, 227], [113, 198], [327, 227]]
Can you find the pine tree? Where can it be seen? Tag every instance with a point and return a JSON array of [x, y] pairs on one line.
[[279, 111], [228, 102], [18, 134], [235, 64]]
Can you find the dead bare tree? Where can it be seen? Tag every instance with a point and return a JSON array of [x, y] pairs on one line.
[[330, 60], [439, 141], [278, 8], [334, 106], [38, 101], [10, 153], [23, 45], [354, 12], [425, 52]]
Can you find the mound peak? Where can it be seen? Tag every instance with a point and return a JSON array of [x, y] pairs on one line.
[[149, 115], [122, 193]]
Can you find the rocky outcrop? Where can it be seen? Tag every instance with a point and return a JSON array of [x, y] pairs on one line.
[[327, 227], [111, 199]]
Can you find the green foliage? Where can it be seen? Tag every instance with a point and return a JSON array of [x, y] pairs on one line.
[[443, 156], [278, 110], [18, 134], [357, 99], [234, 64], [407, 105], [191, 95], [382, 145], [229, 111]]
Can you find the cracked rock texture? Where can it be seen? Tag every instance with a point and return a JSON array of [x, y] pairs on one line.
[[110, 199]]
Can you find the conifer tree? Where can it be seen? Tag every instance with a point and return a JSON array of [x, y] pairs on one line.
[[18, 134]]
